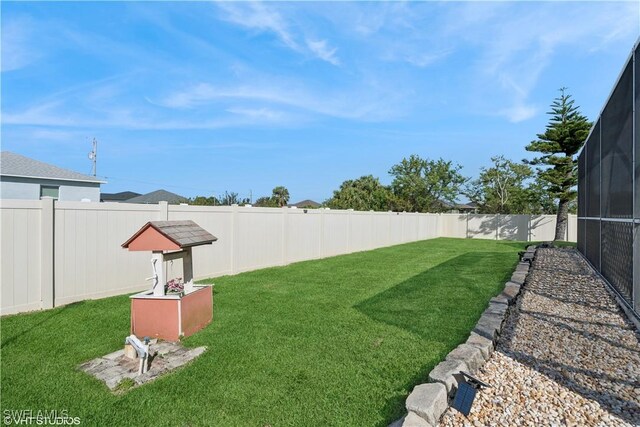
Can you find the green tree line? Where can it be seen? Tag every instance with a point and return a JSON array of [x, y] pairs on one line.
[[424, 185]]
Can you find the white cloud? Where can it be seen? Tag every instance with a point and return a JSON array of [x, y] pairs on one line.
[[425, 59], [519, 113], [502, 48], [257, 113], [126, 119], [265, 18], [390, 31], [100, 104], [514, 50], [322, 51], [18, 49], [258, 16], [42, 114], [358, 104]]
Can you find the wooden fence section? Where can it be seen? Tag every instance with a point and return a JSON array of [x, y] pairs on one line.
[[55, 253]]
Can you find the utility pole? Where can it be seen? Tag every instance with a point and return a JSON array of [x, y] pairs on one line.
[[93, 156]]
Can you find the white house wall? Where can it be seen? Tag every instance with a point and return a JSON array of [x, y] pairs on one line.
[[17, 188], [75, 193]]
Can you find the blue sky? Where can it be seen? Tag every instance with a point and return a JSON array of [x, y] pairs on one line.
[[203, 97]]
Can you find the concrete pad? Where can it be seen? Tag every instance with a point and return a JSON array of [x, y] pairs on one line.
[[115, 367]]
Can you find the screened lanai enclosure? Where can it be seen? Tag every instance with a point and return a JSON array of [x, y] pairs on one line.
[[609, 188]]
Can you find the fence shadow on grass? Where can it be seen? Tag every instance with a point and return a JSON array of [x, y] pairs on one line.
[[440, 305], [42, 319], [67, 323]]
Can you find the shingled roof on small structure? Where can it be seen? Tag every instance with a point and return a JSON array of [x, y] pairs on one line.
[[183, 234]]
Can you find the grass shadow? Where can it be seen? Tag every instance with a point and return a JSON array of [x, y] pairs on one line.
[[440, 305], [451, 310], [40, 320]]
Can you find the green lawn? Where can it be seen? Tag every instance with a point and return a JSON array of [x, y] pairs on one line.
[[338, 341]]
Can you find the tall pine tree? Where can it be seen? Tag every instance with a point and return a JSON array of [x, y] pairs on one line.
[[564, 136]]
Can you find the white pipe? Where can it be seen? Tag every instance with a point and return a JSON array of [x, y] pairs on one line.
[[146, 359], [142, 350]]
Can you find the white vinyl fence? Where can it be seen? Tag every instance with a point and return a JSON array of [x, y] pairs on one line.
[[55, 253]]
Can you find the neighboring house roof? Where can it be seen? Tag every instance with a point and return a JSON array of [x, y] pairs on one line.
[[447, 204], [307, 203], [469, 205], [181, 233], [118, 197], [12, 164], [158, 196]]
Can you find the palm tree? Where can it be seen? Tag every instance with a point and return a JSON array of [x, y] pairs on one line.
[[281, 195]]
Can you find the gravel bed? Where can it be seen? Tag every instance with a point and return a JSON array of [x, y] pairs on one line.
[[567, 355]]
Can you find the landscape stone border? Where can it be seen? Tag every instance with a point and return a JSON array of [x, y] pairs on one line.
[[427, 402]]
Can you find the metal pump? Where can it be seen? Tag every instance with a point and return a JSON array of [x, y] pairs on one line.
[[142, 350]]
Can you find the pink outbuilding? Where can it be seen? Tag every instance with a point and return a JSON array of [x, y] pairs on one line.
[[157, 313]]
